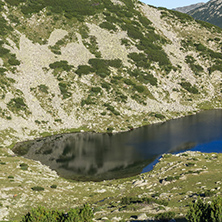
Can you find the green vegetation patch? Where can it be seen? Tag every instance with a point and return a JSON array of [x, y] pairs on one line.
[[209, 26], [217, 66], [14, 2], [17, 105], [160, 116], [61, 65], [196, 68], [112, 109], [64, 86], [42, 214], [140, 59], [13, 61], [24, 166], [166, 216], [43, 88], [107, 25], [143, 77], [93, 46], [101, 66], [38, 188], [187, 86], [132, 31], [4, 28], [88, 101], [54, 186], [84, 70], [205, 211], [147, 200], [77, 9], [182, 17]]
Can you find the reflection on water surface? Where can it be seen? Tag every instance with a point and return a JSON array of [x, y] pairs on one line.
[[97, 156]]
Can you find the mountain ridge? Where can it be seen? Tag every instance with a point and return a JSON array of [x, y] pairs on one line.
[[210, 12], [186, 9]]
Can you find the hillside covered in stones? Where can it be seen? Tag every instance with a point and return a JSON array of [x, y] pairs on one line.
[[104, 65]]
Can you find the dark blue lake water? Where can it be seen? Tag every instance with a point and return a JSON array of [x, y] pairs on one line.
[[99, 156]]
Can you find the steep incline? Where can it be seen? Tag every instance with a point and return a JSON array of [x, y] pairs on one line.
[[101, 66]]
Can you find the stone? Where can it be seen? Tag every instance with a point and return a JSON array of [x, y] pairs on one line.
[[142, 216], [116, 219]]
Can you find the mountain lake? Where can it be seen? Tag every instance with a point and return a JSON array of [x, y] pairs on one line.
[[103, 156]]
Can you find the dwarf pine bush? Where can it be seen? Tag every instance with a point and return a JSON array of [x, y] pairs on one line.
[[201, 211], [42, 214]]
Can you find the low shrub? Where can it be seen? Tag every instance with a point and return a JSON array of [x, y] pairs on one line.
[[139, 99], [105, 85], [10, 177], [159, 116], [24, 166], [84, 70], [202, 211], [43, 88], [129, 82], [42, 214], [96, 90], [37, 188], [171, 178], [166, 216], [63, 86], [108, 26], [145, 21], [125, 42], [13, 61], [187, 86], [132, 31], [196, 68], [84, 31], [110, 129], [140, 59], [151, 79], [139, 88], [182, 16], [144, 200], [112, 109], [17, 104], [143, 77], [209, 193], [190, 164], [54, 186], [63, 65], [216, 66]]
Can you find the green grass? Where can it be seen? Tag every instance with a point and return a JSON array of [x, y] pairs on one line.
[[127, 199]]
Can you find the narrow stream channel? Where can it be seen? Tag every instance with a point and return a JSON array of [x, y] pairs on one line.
[[99, 156]]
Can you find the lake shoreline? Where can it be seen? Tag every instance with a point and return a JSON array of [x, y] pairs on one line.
[[85, 154]]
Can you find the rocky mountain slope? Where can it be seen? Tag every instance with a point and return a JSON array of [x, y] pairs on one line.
[[210, 12], [188, 8], [101, 66]]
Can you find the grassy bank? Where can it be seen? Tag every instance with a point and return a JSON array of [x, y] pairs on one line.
[[171, 186]]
